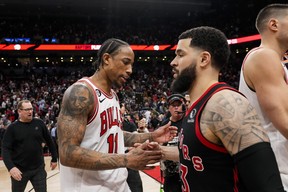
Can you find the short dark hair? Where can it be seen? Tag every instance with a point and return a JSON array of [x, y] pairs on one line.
[[110, 46], [212, 40], [273, 10]]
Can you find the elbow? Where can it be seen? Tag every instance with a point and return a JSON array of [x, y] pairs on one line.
[[65, 156], [63, 159]]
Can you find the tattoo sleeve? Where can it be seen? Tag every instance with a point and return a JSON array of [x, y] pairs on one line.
[[229, 119], [77, 103], [131, 138]]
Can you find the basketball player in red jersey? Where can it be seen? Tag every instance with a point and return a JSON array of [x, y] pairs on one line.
[[222, 145]]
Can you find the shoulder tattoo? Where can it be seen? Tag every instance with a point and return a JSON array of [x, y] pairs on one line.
[[78, 99], [229, 119]]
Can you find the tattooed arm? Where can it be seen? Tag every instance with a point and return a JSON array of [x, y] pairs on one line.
[[163, 134], [132, 138], [77, 103], [228, 119]]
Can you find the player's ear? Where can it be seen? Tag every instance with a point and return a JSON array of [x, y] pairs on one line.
[[205, 58], [105, 58]]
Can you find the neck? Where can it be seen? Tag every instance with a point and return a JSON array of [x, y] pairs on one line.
[[100, 80], [268, 43], [197, 91]]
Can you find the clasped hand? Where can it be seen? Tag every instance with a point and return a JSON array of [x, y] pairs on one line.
[[141, 155]]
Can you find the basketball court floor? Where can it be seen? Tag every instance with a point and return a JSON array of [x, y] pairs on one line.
[[53, 185]]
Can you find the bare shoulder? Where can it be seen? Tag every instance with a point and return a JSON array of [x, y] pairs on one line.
[[263, 66], [78, 99], [228, 119], [76, 105], [261, 60], [263, 54]]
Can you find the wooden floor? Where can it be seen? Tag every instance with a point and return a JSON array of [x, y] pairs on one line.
[[53, 184]]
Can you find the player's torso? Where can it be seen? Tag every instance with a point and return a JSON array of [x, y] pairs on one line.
[[205, 166], [104, 129]]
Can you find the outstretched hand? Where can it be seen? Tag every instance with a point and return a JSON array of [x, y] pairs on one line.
[[164, 133]]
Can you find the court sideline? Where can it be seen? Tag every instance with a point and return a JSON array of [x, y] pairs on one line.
[[53, 184]]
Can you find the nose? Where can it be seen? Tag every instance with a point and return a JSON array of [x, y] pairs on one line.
[[129, 70], [173, 62]]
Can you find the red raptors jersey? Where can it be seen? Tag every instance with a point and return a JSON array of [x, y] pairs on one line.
[[205, 166]]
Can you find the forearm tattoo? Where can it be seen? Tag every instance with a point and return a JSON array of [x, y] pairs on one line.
[[92, 160], [109, 161], [131, 138], [233, 120]]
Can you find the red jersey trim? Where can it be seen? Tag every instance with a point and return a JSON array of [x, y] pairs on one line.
[[236, 179], [199, 135], [108, 95], [203, 95]]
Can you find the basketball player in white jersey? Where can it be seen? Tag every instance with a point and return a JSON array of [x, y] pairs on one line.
[[264, 80], [91, 140]]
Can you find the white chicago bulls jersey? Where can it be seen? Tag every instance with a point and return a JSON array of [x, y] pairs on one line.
[[103, 134]]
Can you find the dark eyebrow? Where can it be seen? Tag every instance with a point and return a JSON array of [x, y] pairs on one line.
[[177, 51], [127, 60]]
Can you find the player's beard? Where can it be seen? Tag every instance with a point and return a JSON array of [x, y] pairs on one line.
[[185, 80]]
